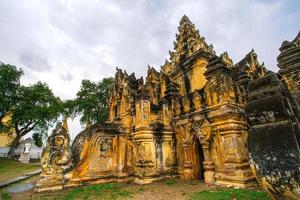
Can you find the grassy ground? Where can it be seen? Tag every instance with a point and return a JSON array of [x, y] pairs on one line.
[[107, 191], [172, 189], [232, 194], [12, 168]]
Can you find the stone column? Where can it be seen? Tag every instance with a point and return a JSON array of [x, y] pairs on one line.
[[121, 148], [235, 169], [145, 148], [209, 167], [188, 165]]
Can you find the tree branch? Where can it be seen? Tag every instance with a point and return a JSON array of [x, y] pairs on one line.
[[17, 129], [29, 123], [25, 131]]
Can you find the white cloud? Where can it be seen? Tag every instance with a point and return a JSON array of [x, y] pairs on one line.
[[63, 42]]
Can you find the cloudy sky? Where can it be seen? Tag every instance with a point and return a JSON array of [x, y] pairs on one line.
[[61, 42]]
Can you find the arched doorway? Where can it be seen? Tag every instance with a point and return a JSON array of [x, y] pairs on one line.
[[198, 159]]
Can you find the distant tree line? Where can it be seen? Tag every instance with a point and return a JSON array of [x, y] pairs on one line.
[[34, 108]]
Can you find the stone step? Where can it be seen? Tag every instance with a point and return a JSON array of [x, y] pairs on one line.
[[19, 178]]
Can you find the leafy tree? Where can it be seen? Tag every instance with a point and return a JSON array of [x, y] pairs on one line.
[[9, 85], [38, 139], [91, 101], [35, 110]]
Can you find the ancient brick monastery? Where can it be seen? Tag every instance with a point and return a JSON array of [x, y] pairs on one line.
[[187, 120]]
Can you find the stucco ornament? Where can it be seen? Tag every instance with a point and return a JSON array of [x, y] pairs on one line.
[[203, 131], [188, 119], [57, 155]]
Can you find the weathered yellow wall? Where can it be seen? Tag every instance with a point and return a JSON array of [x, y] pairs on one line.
[[197, 77], [6, 137]]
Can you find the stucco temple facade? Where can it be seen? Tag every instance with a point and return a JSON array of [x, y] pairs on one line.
[[187, 120]]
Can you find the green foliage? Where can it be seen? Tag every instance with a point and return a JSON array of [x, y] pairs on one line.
[[170, 181], [230, 194], [141, 189], [5, 196], [37, 108], [31, 108], [91, 102], [38, 139], [9, 85]]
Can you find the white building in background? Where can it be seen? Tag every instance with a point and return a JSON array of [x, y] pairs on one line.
[[34, 151]]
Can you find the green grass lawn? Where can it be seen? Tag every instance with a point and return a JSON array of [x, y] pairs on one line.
[[167, 190], [103, 191], [230, 194], [118, 191], [12, 168], [106, 191]]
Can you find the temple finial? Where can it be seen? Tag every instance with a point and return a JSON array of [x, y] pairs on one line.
[[188, 41], [65, 124], [184, 18]]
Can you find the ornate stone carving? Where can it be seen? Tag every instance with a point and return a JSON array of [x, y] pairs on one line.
[[251, 66], [186, 104], [188, 42], [57, 155], [194, 106], [56, 160], [205, 132], [197, 101], [225, 58]]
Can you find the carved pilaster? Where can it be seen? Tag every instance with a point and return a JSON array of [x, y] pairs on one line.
[[142, 113], [203, 132]]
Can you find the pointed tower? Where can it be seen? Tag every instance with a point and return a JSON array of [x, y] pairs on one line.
[[289, 64], [188, 42]]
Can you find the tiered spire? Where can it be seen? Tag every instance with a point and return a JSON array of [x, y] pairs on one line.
[[289, 64], [289, 54], [188, 41]]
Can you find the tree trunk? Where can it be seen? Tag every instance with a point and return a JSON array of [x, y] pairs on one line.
[[13, 146]]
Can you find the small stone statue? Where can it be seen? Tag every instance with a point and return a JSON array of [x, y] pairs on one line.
[[56, 158]]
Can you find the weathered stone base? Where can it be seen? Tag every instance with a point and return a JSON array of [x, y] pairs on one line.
[[237, 178], [49, 183], [53, 184], [148, 180]]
